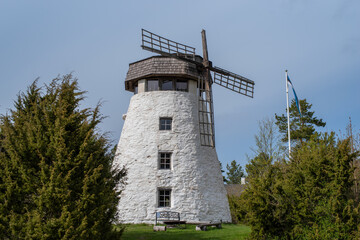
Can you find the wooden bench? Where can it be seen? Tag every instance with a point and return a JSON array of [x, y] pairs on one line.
[[203, 226], [171, 219]]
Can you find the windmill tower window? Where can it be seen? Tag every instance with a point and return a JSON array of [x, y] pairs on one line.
[[181, 85], [165, 160], [164, 198], [152, 85], [167, 85], [165, 123]]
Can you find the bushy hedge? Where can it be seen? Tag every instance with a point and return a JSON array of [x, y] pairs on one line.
[[307, 197], [237, 209]]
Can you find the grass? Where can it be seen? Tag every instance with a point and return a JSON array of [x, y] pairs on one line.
[[145, 232]]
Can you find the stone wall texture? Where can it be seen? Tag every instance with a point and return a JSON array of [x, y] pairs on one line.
[[195, 179]]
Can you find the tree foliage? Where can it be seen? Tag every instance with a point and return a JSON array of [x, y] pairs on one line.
[[234, 173], [301, 128], [267, 148], [308, 197], [354, 139], [238, 209], [267, 140], [56, 175]]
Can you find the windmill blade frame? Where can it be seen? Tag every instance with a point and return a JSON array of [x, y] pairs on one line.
[[206, 107], [155, 43], [233, 81], [206, 113]]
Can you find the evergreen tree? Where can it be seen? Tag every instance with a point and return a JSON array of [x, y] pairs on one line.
[[308, 197], [234, 173], [301, 128], [238, 209], [56, 175], [318, 182]]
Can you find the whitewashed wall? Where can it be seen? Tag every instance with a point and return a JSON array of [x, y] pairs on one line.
[[197, 187]]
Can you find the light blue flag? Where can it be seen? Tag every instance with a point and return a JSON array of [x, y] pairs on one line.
[[296, 98]]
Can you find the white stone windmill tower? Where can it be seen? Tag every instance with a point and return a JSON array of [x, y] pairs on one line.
[[168, 141]]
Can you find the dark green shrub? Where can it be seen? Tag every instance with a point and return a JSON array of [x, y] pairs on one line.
[[56, 176]]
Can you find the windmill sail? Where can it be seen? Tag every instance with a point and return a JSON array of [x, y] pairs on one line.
[[206, 113], [233, 81], [206, 108], [155, 43]]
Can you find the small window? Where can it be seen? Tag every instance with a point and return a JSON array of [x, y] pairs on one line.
[[136, 88], [165, 160], [152, 85], [164, 197], [182, 85], [165, 123], [166, 85]]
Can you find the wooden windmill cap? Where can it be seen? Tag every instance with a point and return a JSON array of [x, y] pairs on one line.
[[160, 66]]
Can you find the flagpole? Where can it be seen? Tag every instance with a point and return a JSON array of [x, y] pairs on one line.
[[287, 108]]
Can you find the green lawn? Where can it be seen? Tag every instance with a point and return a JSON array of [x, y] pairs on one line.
[[145, 232]]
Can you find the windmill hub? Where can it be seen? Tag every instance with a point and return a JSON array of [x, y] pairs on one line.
[[207, 64]]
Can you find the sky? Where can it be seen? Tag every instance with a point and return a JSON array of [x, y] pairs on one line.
[[318, 42]]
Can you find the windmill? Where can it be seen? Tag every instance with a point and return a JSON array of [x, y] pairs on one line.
[[167, 142], [155, 43]]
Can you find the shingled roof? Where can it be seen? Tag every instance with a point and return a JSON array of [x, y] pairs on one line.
[[160, 66]]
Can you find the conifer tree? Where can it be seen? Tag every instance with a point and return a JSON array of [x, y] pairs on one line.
[[56, 175], [301, 128], [318, 181], [308, 197], [234, 173], [263, 199]]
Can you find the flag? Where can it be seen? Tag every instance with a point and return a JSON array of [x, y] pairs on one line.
[[296, 98]]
